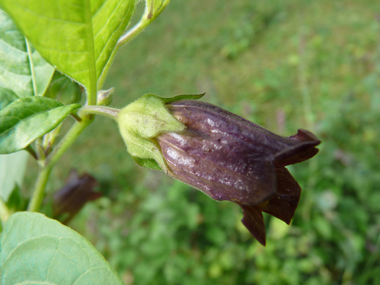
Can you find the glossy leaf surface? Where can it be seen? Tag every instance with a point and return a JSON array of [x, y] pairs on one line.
[[77, 36], [23, 72], [27, 119], [39, 250]]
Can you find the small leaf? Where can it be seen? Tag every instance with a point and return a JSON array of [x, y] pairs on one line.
[[29, 118], [183, 97], [12, 169], [76, 36], [16, 201], [105, 97], [23, 72], [39, 250], [63, 89], [148, 163], [154, 8]]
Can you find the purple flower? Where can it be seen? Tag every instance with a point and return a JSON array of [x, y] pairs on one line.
[[230, 158], [72, 197]]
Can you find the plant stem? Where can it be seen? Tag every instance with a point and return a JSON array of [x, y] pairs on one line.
[[100, 110], [124, 39], [68, 140], [132, 33], [149, 15], [39, 191]]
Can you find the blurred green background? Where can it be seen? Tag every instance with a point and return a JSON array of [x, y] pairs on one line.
[[284, 65]]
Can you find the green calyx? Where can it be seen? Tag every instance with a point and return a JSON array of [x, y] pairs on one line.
[[143, 120]]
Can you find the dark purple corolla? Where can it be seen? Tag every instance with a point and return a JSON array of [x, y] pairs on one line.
[[230, 158], [72, 197]]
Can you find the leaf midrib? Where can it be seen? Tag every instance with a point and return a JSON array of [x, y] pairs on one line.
[[92, 89]]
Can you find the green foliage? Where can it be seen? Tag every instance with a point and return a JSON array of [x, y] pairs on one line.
[[27, 119], [23, 71], [75, 36], [36, 249]]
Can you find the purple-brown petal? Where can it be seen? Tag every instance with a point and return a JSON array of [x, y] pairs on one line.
[[253, 220], [219, 124], [226, 156], [304, 149], [216, 169], [284, 204], [230, 158], [71, 198]]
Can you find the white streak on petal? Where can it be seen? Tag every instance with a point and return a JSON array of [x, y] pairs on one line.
[[179, 159]]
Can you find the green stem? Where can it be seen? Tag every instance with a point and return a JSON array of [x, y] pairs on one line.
[[150, 14], [66, 142], [39, 190], [124, 39], [146, 19], [100, 110], [132, 33]]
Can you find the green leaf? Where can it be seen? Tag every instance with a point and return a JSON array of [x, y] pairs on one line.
[[16, 201], [12, 169], [27, 119], [63, 89], [39, 250], [6, 97], [23, 72], [182, 97], [77, 36], [147, 163]]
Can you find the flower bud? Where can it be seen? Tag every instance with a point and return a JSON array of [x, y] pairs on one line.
[[230, 158], [104, 97], [221, 154], [71, 198]]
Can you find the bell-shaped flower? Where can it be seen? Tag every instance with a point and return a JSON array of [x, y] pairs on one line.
[[230, 158]]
